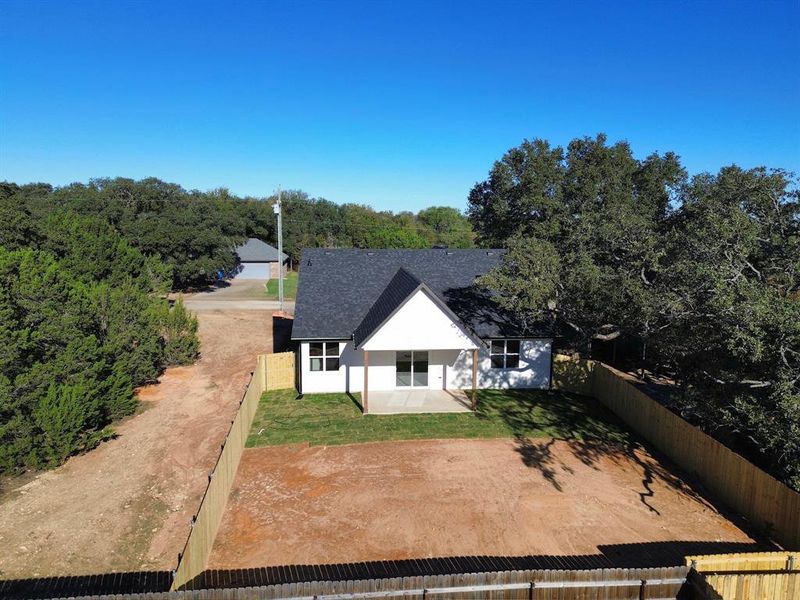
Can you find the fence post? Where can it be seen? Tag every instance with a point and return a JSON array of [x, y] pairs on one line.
[[790, 563], [531, 591], [643, 589], [262, 371]]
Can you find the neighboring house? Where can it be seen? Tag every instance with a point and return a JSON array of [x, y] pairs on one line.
[[376, 320], [259, 260]]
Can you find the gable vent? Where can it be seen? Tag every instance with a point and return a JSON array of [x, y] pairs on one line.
[[449, 253], [490, 253], [370, 254]]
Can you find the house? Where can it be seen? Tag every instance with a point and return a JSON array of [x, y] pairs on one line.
[[377, 321], [259, 260]]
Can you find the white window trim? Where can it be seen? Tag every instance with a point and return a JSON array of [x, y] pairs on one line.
[[327, 353]]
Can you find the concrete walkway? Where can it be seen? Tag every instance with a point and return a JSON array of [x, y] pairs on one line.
[[418, 401]]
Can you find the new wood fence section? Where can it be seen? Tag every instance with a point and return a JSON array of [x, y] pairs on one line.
[[751, 576], [598, 584], [752, 493], [746, 561], [273, 371], [279, 371]]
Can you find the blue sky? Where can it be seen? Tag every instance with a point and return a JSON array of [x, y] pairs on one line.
[[399, 105]]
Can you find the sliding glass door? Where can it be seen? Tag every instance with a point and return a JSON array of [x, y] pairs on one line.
[[411, 368]]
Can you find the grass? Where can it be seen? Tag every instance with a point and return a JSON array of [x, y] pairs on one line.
[[289, 286], [332, 419]]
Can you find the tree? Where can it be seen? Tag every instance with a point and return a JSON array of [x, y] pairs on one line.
[[179, 332], [601, 211], [76, 337], [522, 195], [447, 227], [704, 275]]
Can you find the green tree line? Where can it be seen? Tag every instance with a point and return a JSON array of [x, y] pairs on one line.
[[83, 322], [84, 273], [315, 222], [700, 275], [195, 233]]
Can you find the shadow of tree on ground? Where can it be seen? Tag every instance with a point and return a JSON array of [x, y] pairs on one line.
[[591, 432]]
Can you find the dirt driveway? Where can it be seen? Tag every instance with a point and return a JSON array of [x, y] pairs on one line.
[[400, 500], [127, 504], [237, 294]]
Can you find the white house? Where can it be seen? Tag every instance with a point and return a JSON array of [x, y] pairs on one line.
[[374, 321]]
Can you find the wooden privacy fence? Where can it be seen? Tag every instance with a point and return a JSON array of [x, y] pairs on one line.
[[279, 371], [751, 576], [765, 501], [598, 584], [271, 373], [746, 561]]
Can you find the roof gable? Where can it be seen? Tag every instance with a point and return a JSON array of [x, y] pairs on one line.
[[394, 295], [254, 250], [422, 322]]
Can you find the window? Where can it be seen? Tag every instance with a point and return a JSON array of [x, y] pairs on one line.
[[504, 354], [411, 368], [324, 356]]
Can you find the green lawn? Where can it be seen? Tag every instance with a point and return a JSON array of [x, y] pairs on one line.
[[289, 286], [330, 419]]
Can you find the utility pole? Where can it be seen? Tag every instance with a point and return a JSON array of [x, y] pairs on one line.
[[277, 208]]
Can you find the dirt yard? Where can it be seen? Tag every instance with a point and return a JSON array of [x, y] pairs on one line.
[[398, 500], [127, 504]]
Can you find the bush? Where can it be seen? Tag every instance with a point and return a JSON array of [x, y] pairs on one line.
[[179, 332], [62, 417]]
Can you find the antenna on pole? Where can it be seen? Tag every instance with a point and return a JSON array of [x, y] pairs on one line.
[[277, 208]]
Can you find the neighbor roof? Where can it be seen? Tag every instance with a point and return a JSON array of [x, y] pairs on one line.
[[254, 250], [347, 293]]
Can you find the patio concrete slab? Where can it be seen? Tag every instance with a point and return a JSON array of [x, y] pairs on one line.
[[418, 401]]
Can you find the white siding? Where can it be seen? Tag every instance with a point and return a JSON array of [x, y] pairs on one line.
[[420, 324], [452, 368], [350, 376], [533, 370]]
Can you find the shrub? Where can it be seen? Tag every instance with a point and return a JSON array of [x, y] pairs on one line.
[[179, 331], [62, 418]]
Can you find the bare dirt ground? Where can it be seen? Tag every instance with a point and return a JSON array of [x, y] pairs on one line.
[[422, 499], [127, 504]]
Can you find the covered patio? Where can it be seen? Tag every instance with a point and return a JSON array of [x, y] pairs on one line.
[[392, 402]]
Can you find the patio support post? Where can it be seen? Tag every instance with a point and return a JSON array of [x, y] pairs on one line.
[[365, 392], [474, 379]]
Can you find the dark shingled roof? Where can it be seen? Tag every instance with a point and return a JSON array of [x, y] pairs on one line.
[[402, 285], [342, 293], [254, 250]]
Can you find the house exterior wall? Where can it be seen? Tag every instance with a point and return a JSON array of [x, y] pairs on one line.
[[274, 269], [447, 369], [419, 324], [533, 370], [261, 270], [350, 376]]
